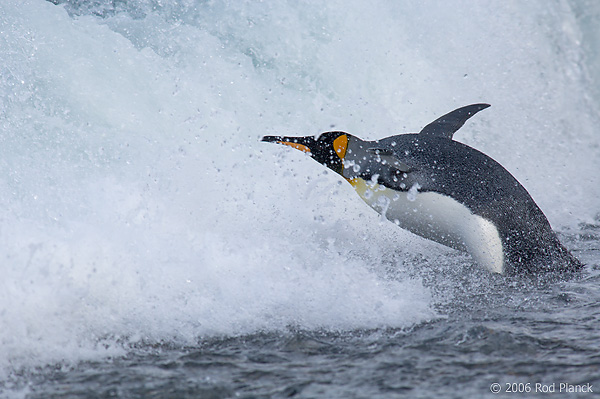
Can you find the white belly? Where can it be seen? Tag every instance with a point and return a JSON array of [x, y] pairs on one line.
[[439, 218]]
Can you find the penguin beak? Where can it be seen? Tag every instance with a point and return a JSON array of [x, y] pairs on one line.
[[299, 143], [328, 149]]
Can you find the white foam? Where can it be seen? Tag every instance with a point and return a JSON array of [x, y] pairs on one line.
[[138, 204]]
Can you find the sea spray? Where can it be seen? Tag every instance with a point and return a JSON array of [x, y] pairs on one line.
[[138, 204]]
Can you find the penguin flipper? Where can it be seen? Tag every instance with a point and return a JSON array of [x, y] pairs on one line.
[[387, 157], [389, 170], [446, 125]]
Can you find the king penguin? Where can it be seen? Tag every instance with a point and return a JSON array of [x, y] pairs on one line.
[[445, 191]]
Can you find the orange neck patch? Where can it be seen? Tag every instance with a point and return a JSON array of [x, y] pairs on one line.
[[339, 145], [297, 146]]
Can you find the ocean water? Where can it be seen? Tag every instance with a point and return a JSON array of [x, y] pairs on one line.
[[152, 247]]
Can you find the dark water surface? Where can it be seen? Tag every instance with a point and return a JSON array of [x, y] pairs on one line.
[[524, 334]]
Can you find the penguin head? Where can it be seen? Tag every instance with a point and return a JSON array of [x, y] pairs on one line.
[[328, 148]]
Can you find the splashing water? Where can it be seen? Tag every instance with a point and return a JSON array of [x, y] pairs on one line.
[[138, 205]]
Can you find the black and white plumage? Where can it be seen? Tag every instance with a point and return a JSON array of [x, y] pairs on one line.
[[445, 191]]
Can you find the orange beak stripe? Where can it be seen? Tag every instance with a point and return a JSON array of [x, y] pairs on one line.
[[297, 146]]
